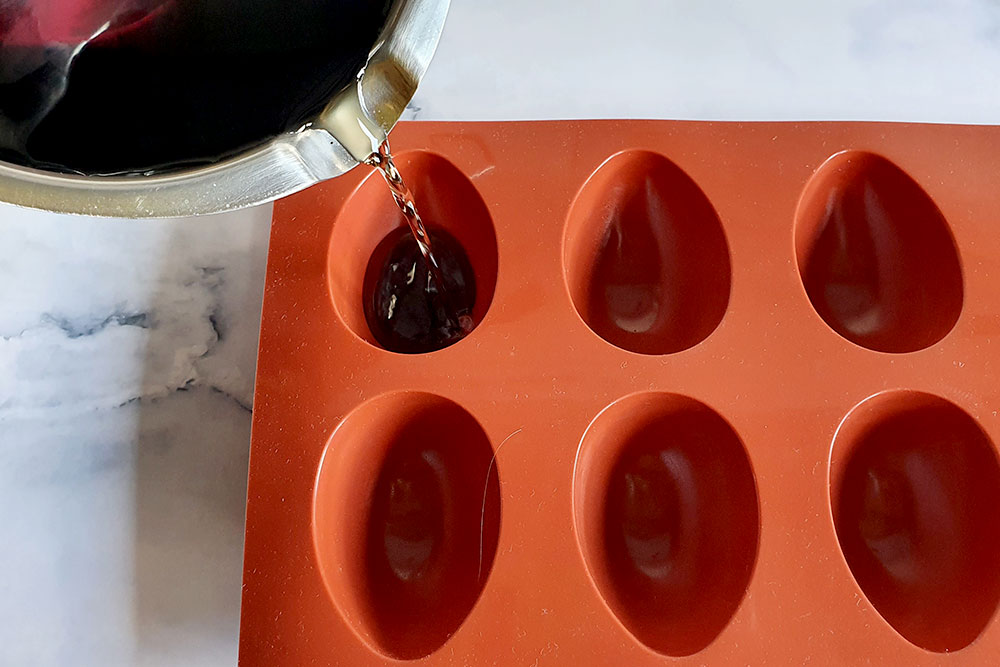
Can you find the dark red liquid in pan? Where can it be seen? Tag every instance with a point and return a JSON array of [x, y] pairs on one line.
[[170, 82], [405, 310]]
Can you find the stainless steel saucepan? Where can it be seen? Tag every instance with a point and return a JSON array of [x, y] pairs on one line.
[[284, 164]]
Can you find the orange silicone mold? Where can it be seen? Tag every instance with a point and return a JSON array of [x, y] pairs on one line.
[[730, 399]]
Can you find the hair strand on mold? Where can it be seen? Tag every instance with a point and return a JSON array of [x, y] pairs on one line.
[[486, 491]]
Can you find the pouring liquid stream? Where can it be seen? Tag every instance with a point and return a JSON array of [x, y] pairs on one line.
[[383, 162], [418, 299], [419, 286]]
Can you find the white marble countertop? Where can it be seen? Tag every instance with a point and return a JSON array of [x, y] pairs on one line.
[[127, 348]]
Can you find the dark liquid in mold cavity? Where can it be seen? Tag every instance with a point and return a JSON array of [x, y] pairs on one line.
[[406, 309], [174, 83], [419, 287]]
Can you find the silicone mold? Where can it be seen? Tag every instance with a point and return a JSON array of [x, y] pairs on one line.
[[731, 398]]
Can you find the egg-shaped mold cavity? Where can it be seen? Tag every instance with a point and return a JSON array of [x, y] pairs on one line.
[[876, 256], [645, 256], [369, 224], [406, 519], [914, 488], [666, 515]]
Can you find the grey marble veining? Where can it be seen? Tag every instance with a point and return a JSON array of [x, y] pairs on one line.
[[127, 349], [127, 352]]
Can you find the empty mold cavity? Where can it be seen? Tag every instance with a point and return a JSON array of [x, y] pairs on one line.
[[645, 256], [915, 487], [447, 201], [876, 256], [406, 520], [667, 517]]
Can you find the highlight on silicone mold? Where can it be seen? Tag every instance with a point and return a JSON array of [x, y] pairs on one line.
[[446, 199], [876, 256], [914, 488], [406, 519], [645, 256], [666, 513]]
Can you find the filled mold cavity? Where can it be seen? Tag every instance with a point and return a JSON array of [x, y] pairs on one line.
[[915, 484], [380, 282], [667, 518], [645, 256], [876, 256], [406, 520]]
